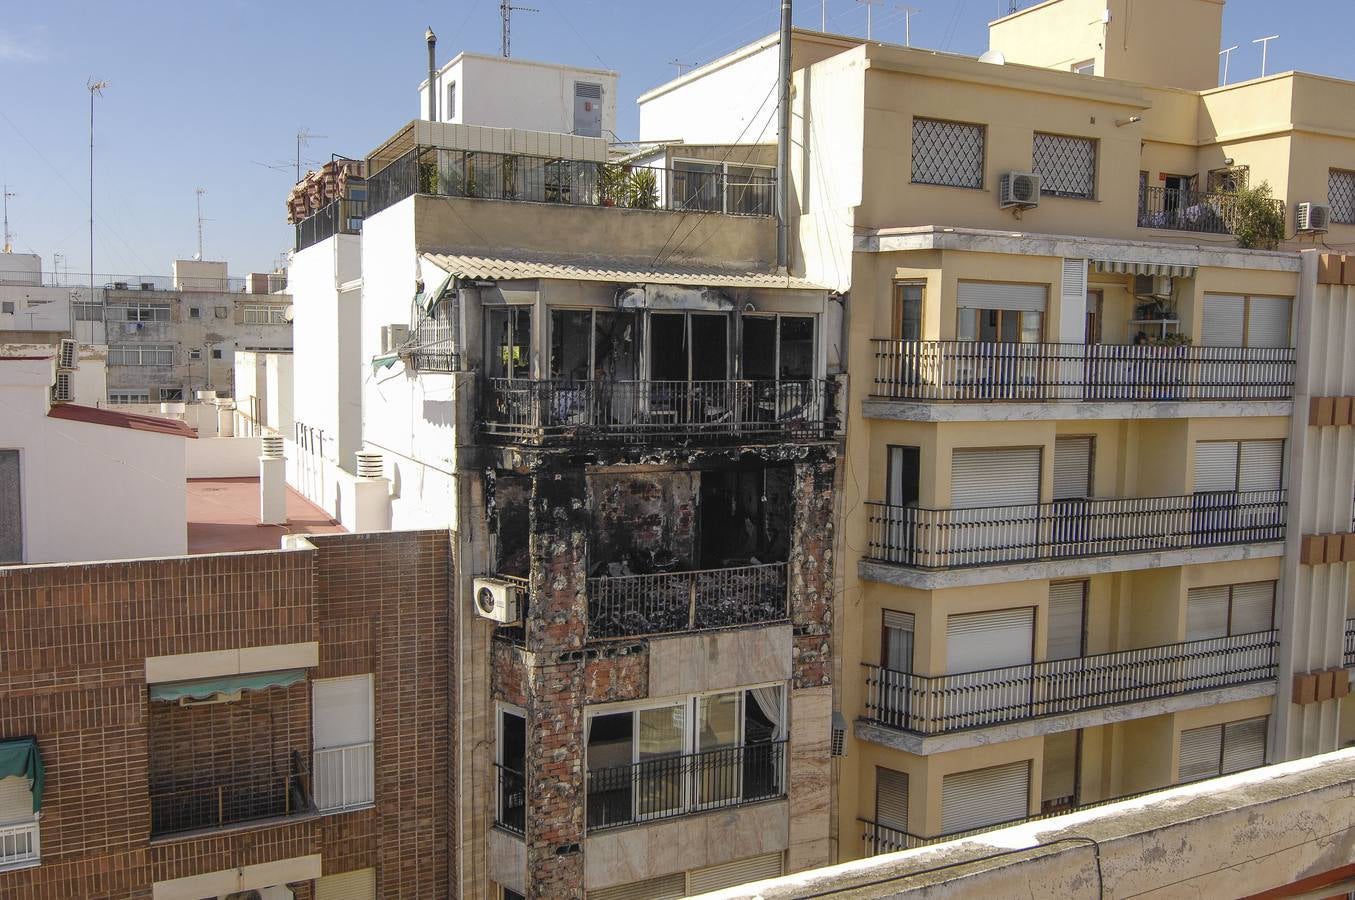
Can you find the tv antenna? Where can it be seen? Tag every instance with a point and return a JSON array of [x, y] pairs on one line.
[[908, 13], [1265, 45], [1227, 54], [303, 137], [506, 10], [9, 238], [200, 192], [869, 5], [681, 66]]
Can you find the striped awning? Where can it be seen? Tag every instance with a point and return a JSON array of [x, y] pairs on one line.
[[1120, 267]]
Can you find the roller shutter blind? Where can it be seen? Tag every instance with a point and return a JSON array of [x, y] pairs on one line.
[[342, 710], [992, 295], [1244, 745], [898, 641], [356, 885], [1206, 613], [1223, 321], [16, 800], [1253, 608], [11, 509], [1201, 749], [1060, 766], [891, 799], [1072, 468], [1215, 466], [732, 874], [1268, 321], [1260, 465], [994, 477], [989, 640], [669, 887], [985, 797], [1067, 603]]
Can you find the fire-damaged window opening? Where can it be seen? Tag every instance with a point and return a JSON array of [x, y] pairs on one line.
[[508, 351], [688, 347], [778, 348], [597, 345], [512, 500]]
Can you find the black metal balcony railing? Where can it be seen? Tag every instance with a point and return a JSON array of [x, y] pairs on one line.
[[979, 371], [671, 786], [1066, 529], [228, 800], [666, 603], [938, 704], [539, 411], [537, 179], [1350, 643], [1180, 210], [510, 811], [338, 217]]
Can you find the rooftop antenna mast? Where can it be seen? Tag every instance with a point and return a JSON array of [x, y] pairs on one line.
[[96, 89], [908, 13], [870, 5], [1265, 46], [303, 137], [506, 10], [1227, 54], [9, 238], [200, 192]]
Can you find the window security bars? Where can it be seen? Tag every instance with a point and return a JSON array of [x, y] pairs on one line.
[[510, 803], [948, 153], [1066, 165], [1341, 195]]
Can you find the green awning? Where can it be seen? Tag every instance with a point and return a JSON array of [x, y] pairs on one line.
[[206, 688], [425, 299], [21, 757], [384, 361]]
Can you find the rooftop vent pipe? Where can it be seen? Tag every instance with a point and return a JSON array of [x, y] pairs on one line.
[[783, 143], [432, 40]]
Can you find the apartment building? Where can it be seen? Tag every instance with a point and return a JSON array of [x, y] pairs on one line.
[[1092, 516]]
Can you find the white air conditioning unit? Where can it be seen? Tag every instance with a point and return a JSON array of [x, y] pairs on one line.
[[393, 337], [68, 354], [1312, 218], [498, 600], [1159, 287], [64, 389], [1018, 189]]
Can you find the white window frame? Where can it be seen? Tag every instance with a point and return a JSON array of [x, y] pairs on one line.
[[264, 314], [139, 311], [1086, 67], [12, 834], [141, 354], [127, 398], [349, 755]]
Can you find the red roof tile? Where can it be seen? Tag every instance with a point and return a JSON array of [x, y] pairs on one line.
[[112, 417]]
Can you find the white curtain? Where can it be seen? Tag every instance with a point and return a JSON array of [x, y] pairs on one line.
[[768, 700]]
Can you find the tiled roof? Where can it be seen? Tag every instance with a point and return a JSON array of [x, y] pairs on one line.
[[504, 268], [94, 416]]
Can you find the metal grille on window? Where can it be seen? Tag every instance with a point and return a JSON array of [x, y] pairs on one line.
[[1066, 165], [1341, 195], [947, 153], [435, 339]]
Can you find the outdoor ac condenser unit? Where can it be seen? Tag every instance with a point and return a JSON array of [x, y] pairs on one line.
[[1312, 218], [497, 600], [1019, 189], [68, 354], [64, 389]]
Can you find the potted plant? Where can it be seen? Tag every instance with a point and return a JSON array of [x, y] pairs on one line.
[[642, 189], [611, 183], [1258, 219]]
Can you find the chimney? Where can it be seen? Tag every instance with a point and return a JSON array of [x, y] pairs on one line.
[[432, 40], [783, 144], [272, 481]]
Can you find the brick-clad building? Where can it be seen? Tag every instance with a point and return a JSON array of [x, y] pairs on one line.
[[270, 721]]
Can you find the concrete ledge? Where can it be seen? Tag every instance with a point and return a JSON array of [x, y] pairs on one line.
[[1005, 411], [716, 660], [245, 878], [923, 745], [508, 860], [936, 579], [215, 663]]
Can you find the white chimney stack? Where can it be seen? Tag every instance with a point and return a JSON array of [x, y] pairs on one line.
[[272, 482]]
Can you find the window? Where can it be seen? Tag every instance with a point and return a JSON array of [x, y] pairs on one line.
[[7, 307], [195, 353], [904, 475], [1066, 630], [20, 800], [359, 884], [891, 800], [265, 315], [1341, 195], [510, 749], [1237, 321], [342, 735], [778, 348], [1229, 609], [126, 398], [88, 312], [1227, 466], [688, 347], [141, 355], [171, 395], [509, 340], [907, 318], [1086, 67], [714, 186], [896, 650], [1066, 165], [222, 312], [1228, 180], [1222, 749], [139, 312], [948, 153], [1062, 771], [216, 353], [1000, 313], [451, 101], [591, 345], [984, 797], [11, 509], [195, 312]]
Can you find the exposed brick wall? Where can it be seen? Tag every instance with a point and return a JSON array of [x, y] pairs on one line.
[[655, 511], [508, 673], [811, 573], [616, 672]]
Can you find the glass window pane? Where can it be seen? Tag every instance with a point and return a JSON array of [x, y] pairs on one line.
[[797, 347], [615, 338], [967, 325], [710, 348], [759, 348], [908, 312], [659, 782], [521, 357], [497, 353], [719, 766], [570, 331], [1030, 327]]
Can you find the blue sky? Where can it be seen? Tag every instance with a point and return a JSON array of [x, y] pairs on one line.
[[211, 94]]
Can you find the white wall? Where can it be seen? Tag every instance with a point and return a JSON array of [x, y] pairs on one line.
[[517, 93], [729, 104], [223, 457], [90, 492], [200, 274], [37, 308]]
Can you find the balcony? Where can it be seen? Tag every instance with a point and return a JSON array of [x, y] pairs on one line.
[[216, 802], [940, 704], [19, 845], [343, 777], [1180, 210], [984, 372], [338, 217], [1349, 655], [510, 805], [546, 412], [1070, 529], [535, 179], [671, 786], [675, 602]]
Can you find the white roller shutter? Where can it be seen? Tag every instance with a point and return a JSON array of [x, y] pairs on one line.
[[1066, 612], [985, 797], [1244, 745], [1215, 466], [357, 885], [1260, 465], [1268, 321], [733, 874], [1253, 608], [1206, 613], [891, 799], [899, 640], [992, 295], [16, 800], [989, 640], [669, 887], [1072, 468], [1201, 749], [1060, 766], [342, 711], [994, 477], [1223, 320]]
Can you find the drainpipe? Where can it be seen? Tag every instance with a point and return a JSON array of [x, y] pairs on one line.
[[432, 40], [783, 144]]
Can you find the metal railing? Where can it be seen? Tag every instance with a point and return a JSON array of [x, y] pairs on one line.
[[1180, 210], [535, 411], [228, 800], [344, 776], [337, 217], [636, 605], [982, 371], [19, 845], [938, 704], [1066, 529], [510, 803], [538, 179], [1350, 643], [673, 786], [233, 284]]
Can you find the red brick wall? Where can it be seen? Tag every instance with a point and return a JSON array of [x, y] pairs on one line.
[[810, 573]]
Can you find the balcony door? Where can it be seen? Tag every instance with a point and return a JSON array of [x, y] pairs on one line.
[[1069, 524], [891, 810], [1217, 613], [508, 340], [985, 797], [1237, 485], [995, 500], [1062, 771], [895, 686], [988, 655], [994, 312]]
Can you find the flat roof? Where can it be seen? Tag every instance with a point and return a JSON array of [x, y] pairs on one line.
[[223, 517]]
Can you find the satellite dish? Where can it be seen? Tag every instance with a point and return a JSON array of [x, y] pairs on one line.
[[993, 57], [290, 313]]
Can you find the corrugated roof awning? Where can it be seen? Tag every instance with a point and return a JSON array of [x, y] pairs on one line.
[[1120, 267], [21, 758], [225, 685], [384, 361], [500, 268]]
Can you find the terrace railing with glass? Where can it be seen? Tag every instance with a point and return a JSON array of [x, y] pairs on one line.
[[670, 786], [539, 411], [1065, 529], [1203, 213], [228, 800], [672, 602], [537, 179], [981, 371], [939, 704]]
